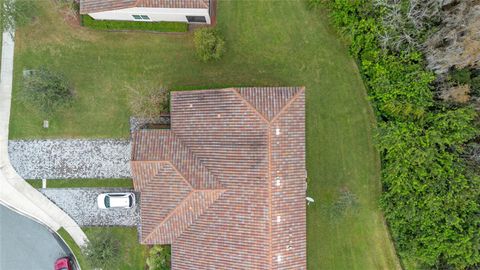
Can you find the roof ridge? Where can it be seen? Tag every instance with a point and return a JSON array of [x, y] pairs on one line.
[[254, 108], [287, 105], [250, 105], [180, 205], [195, 158]]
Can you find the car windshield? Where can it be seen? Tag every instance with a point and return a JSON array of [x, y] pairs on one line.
[[63, 268], [107, 201], [130, 201]]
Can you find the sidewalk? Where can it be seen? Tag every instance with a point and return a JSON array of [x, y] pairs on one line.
[[14, 191]]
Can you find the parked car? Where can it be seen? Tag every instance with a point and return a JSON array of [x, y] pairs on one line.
[[116, 200], [64, 263]]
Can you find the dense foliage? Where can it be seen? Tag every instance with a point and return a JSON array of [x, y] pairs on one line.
[[47, 90], [159, 258], [431, 197], [89, 22], [102, 250], [209, 43], [16, 13]]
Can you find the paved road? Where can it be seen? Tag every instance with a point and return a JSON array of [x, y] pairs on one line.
[[81, 205], [25, 244]]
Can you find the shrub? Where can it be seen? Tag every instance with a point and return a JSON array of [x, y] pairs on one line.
[[149, 103], [460, 76], [159, 258], [475, 86], [102, 249], [209, 43], [17, 12], [48, 90], [89, 22]]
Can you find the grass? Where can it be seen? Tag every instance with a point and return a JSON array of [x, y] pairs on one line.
[[268, 44], [133, 254], [72, 183], [81, 260], [126, 25]]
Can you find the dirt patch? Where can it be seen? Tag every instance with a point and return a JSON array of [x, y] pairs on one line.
[[460, 94], [71, 16]]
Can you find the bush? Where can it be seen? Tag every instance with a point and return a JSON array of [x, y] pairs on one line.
[[460, 76], [159, 258], [430, 197], [102, 250], [89, 22], [209, 43], [17, 13], [47, 90], [149, 103], [475, 86]]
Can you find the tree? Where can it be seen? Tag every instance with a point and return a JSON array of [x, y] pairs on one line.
[[159, 258], [47, 90], [209, 43], [149, 103], [17, 13], [102, 249]]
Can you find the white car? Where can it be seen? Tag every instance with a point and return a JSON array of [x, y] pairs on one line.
[[116, 200]]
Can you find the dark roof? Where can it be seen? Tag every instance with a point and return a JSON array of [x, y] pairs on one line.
[[226, 184], [92, 6]]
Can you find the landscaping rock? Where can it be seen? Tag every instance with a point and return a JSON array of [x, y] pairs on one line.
[[63, 159], [81, 205], [137, 123]]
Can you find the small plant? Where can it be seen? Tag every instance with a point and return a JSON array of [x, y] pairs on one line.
[[149, 103], [102, 250], [17, 13], [47, 90], [209, 43], [311, 4], [346, 202], [159, 258]]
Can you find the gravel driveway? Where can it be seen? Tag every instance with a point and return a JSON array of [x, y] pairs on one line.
[[61, 159], [81, 205]]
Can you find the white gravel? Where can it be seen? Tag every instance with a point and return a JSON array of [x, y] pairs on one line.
[[81, 205], [62, 159]]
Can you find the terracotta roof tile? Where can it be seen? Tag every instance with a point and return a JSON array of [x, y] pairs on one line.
[[252, 142]]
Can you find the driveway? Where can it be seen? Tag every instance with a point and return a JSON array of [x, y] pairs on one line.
[[81, 205], [74, 158], [25, 244]]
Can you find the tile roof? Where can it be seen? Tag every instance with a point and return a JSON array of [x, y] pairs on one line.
[[226, 184], [92, 6]]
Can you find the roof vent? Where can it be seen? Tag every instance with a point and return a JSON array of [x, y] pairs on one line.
[[277, 131], [279, 258], [279, 219], [277, 180], [191, 105]]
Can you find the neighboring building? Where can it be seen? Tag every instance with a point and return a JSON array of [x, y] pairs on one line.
[[226, 185], [191, 11]]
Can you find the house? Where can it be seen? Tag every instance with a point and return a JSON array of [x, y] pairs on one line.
[[226, 184], [191, 11]]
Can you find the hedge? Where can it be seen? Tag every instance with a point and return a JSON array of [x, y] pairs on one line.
[[89, 22]]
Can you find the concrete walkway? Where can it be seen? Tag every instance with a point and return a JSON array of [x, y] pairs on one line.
[[14, 191]]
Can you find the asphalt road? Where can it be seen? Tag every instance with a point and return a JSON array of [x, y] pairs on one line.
[[26, 244]]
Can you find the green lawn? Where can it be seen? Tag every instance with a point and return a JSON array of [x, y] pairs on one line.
[[133, 255], [72, 183], [269, 43]]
